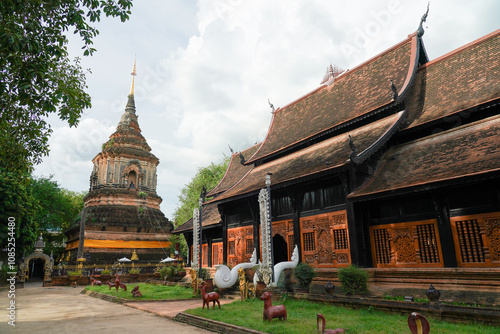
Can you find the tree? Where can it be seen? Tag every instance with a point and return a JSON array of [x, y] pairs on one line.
[[56, 208], [207, 177], [36, 76], [18, 204]]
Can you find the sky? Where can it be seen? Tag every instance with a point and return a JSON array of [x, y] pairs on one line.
[[206, 69]]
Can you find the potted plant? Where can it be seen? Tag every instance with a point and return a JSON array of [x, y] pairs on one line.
[[181, 271], [105, 275], [304, 275], [259, 288], [205, 276], [74, 276], [134, 273]]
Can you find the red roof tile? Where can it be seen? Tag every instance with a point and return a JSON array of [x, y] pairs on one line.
[[468, 150], [235, 171], [457, 81], [353, 94], [210, 216], [326, 155]]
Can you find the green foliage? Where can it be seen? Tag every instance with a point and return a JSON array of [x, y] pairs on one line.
[[353, 280], [38, 205], [301, 319], [207, 177], [178, 243], [135, 271], [56, 209], [74, 273], [17, 201], [304, 274], [105, 272], [149, 291], [205, 274], [167, 272], [37, 78]]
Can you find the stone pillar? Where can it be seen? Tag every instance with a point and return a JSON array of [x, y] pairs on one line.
[[265, 222], [196, 249]]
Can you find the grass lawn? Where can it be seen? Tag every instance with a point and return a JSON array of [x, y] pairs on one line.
[[302, 319], [149, 291]]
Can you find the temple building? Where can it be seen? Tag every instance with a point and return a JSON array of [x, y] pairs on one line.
[[393, 165], [122, 209]]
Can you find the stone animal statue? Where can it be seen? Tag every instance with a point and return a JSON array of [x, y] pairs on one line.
[[93, 281], [110, 284], [321, 330], [225, 278], [270, 311], [208, 297], [136, 292], [418, 324]]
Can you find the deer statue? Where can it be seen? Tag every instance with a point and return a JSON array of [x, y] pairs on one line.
[[418, 324], [322, 330], [208, 297], [135, 292], [110, 284], [270, 311], [93, 281]]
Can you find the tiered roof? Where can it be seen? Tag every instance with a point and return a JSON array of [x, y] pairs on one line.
[[354, 95]]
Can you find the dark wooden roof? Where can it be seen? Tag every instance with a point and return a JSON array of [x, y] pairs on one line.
[[354, 94], [210, 217], [466, 151], [457, 81], [326, 155], [235, 171]]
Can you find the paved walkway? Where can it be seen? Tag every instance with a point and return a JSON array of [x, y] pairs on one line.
[[64, 310]]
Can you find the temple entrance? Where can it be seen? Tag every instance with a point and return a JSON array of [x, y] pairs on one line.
[[280, 249], [36, 272]]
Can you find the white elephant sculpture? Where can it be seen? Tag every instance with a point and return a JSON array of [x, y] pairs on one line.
[[225, 278]]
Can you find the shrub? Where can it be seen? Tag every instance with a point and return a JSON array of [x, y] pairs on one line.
[[134, 271], [105, 272], [167, 271], [74, 273], [304, 274], [353, 280]]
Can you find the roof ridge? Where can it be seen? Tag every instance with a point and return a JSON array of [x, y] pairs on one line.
[[461, 49]]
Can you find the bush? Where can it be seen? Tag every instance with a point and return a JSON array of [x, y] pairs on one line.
[[75, 273], [304, 274], [134, 271], [353, 280], [167, 271]]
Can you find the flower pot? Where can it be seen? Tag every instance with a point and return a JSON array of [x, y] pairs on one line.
[[259, 289], [210, 284]]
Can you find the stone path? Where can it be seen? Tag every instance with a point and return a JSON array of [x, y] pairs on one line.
[[64, 310]]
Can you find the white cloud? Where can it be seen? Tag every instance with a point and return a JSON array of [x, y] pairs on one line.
[[205, 71]]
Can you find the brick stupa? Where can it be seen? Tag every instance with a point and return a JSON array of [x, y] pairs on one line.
[[122, 209]]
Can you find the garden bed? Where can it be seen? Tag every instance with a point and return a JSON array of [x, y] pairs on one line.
[[302, 319]]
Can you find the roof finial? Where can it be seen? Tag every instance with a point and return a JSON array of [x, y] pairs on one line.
[[133, 75], [271, 105], [420, 31]]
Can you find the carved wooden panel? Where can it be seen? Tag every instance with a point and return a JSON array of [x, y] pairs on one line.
[[410, 244], [238, 240], [477, 239], [325, 241], [217, 253], [204, 255]]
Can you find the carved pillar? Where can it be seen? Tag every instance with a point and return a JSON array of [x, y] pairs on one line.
[[265, 223], [196, 247]]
